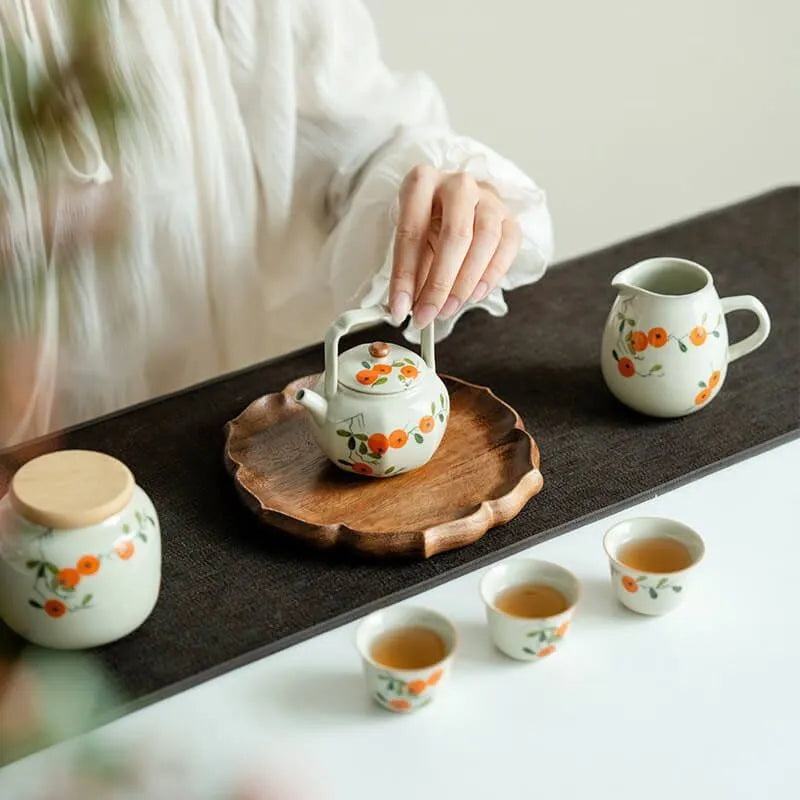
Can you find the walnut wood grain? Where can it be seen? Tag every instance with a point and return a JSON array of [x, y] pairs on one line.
[[483, 473]]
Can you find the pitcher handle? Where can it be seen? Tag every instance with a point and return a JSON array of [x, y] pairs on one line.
[[747, 302], [354, 320]]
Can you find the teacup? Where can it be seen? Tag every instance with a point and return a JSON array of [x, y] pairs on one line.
[[404, 690], [651, 592], [528, 638]]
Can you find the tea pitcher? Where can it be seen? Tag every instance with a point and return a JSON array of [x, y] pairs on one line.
[[665, 349]]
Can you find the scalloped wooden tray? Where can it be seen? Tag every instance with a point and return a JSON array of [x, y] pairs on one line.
[[485, 470]]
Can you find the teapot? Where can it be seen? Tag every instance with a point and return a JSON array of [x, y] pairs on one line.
[[665, 349], [378, 409]]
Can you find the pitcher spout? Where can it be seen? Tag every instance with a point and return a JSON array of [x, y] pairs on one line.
[[625, 280], [663, 278], [315, 405]]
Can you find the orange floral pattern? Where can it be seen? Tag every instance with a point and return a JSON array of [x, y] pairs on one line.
[[638, 340], [55, 588], [426, 424], [629, 584], [657, 337], [125, 549], [698, 335], [546, 639], [398, 438], [367, 377], [435, 677], [68, 577], [376, 373], [370, 453], [378, 443], [54, 608], [632, 585], [400, 695], [702, 396], [635, 341], [88, 565], [707, 389], [626, 368]]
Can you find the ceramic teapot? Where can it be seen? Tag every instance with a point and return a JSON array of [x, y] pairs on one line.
[[665, 348], [378, 409]]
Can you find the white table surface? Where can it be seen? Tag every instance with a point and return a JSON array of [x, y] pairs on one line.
[[701, 703]]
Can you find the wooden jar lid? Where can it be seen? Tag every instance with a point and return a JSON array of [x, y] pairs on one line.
[[71, 488]]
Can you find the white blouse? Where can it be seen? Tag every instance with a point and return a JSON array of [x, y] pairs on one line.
[[254, 185]]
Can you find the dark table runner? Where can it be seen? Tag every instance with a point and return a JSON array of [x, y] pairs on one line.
[[234, 591]]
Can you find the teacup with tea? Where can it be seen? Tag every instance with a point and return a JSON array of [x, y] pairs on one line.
[[529, 606], [407, 655], [651, 561]]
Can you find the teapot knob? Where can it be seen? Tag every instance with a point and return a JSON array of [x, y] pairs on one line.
[[379, 349]]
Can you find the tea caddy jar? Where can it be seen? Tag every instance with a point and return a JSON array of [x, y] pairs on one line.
[[80, 551]]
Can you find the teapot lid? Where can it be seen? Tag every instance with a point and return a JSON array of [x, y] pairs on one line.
[[380, 368]]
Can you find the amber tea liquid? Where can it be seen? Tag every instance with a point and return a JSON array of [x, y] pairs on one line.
[[655, 555], [533, 600], [408, 648]]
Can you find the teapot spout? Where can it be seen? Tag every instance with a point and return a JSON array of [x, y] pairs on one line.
[[315, 405]]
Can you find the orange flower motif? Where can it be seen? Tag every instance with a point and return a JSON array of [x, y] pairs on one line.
[[382, 369], [68, 577], [409, 372], [378, 443], [545, 651], [626, 368], [702, 396], [416, 687], [639, 341], [398, 438], [698, 335], [366, 377], [630, 584], [657, 337], [426, 424], [399, 705], [88, 565], [562, 629], [55, 608], [362, 469], [125, 549], [714, 379], [435, 677]]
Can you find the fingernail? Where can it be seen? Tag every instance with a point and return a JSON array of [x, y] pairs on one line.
[[481, 290], [423, 316], [400, 306], [450, 307]]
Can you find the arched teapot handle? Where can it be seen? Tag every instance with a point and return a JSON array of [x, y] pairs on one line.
[[361, 318]]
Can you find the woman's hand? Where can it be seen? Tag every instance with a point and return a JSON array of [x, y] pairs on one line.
[[455, 240]]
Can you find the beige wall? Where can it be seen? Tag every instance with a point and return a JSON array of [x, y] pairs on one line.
[[630, 113]]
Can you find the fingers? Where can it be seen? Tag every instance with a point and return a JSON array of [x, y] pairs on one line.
[[458, 194], [416, 200], [501, 261], [487, 233]]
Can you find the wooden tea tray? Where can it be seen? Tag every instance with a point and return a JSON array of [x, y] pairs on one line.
[[485, 470]]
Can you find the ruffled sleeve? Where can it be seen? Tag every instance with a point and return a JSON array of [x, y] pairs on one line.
[[379, 125]]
